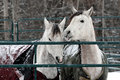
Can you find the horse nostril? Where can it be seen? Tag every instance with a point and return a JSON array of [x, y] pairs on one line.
[[57, 58], [68, 32]]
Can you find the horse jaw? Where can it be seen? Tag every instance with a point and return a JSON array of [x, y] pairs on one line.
[[58, 57], [45, 58]]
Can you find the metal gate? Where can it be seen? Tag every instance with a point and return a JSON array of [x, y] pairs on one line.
[[110, 44]]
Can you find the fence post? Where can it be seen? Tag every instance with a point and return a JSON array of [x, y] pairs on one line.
[[12, 30], [17, 31], [35, 57]]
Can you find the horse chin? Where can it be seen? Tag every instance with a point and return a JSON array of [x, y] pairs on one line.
[[59, 61], [67, 39], [74, 40]]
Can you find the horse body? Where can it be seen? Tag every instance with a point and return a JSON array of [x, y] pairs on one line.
[[46, 54], [50, 54], [81, 29]]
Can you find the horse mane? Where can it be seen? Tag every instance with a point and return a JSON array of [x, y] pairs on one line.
[[73, 15], [55, 29]]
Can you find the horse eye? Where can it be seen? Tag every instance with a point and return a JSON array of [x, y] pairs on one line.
[[82, 21], [50, 39]]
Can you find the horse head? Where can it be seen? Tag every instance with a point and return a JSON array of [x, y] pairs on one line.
[[53, 32], [80, 26]]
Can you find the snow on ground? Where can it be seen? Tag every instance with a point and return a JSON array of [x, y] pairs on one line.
[[114, 75]]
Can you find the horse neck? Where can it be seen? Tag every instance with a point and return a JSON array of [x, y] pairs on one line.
[[92, 34], [90, 53]]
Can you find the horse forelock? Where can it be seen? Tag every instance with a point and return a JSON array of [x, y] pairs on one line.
[[55, 29], [73, 15]]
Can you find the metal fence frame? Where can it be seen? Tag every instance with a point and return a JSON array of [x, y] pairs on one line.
[[58, 65], [58, 18], [57, 43], [10, 30]]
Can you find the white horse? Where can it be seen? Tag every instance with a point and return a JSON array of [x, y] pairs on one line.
[[81, 28], [51, 54]]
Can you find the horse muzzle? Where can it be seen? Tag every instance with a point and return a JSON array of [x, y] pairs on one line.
[[67, 35], [59, 60]]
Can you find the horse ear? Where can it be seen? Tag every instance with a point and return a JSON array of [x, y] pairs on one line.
[[62, 24], [89, 12], [73, 9], [46, 23]]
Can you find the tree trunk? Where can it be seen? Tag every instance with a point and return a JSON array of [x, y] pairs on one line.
[[15, 16], [103, 20], [6, 23], [77, 6]]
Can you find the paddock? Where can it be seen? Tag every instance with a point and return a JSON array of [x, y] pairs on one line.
[[111, 47]]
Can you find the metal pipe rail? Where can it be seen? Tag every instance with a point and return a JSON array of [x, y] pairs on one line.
[[56, 43], [58, 18], [10, 28], [59, 65], [56, 65]]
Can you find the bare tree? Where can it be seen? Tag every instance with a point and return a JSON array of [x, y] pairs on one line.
[[15, 17], [6, 23], [103, 20]]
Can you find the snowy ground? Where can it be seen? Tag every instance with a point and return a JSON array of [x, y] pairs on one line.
[[114, 75]]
